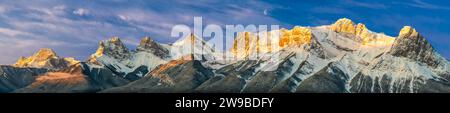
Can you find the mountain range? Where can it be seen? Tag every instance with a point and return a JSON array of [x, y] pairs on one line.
[[343, 57]]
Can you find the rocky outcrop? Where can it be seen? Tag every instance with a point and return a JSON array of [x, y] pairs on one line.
[[147, 44], [295, 37], [344, 25], [251, 45], [113, 48], [411, 44], [366, 36], [45, 58]]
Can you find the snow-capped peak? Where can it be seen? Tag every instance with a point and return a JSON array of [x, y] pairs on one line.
[[193, 45], [148, 45], [114, 48]]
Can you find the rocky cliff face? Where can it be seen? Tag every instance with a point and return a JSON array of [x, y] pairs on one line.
[[366, 36], [247, 44], [147, 44], [113, 48], [411, 44]]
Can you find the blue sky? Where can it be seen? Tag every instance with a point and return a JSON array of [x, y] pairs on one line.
[[73, 28]]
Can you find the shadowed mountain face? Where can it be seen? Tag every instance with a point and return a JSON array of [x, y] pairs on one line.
[[183, 75], [340, 58], [78, 78], [13, 78]]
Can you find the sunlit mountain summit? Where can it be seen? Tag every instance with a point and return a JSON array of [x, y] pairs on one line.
[[343, 57]]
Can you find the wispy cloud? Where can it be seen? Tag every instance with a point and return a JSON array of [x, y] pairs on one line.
[[424, 5], [13, 44], [81, 12], [2, 9], [372, 5], [330, 10], [64, 24], [12, 33]]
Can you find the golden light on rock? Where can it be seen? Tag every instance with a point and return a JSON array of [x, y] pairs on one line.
[[296, 36], [344, 25], [380, 41], [241, 44], [406, 31], [60, 77], [363, 33], [97, 54], [248, 44], [22, 62], [251, 44], [115, 40], [71, 60], [40, 59], [100, 50], [368, 38], [159, 72]]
